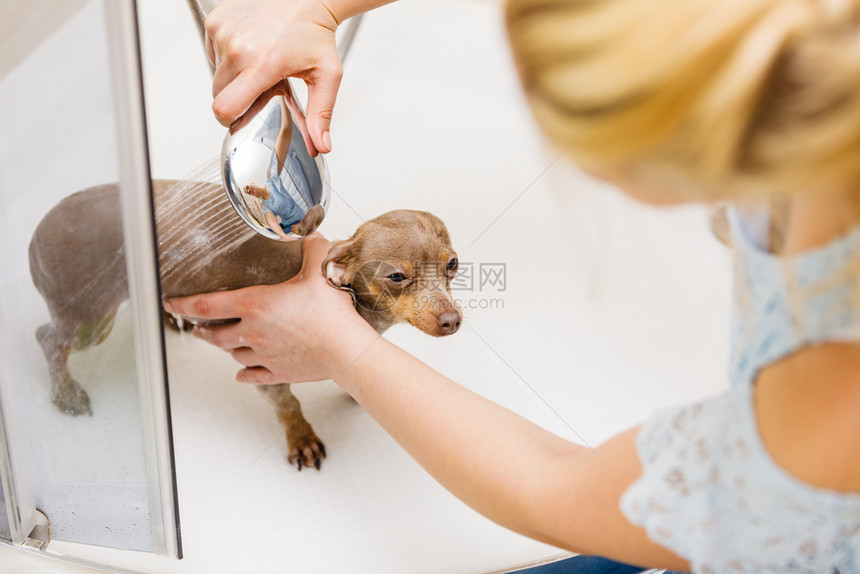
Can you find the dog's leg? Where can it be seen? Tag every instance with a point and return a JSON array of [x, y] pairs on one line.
[[303, 446], [66, 393]]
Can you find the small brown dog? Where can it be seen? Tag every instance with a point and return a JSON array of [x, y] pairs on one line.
[[398, 266]]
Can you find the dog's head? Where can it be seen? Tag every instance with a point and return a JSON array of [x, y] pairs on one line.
[[399, 267]]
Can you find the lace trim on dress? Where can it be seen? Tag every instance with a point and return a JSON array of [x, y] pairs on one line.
[[710, 491]]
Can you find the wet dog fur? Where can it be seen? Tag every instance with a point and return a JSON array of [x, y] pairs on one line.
[[398, 266]]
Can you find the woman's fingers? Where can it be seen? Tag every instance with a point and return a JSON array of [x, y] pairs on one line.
[[322, 94], [216, 306], [230, 339], [257, 375], [227, 337], [285, 333], [209, 44], [225, 305], [256, 107], [239, 92]]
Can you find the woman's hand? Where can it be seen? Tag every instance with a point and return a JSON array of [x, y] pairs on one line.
[[299, 331], [256, 44]]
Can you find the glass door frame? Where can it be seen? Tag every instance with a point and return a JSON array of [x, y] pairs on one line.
[[138, 221], [138, 216]]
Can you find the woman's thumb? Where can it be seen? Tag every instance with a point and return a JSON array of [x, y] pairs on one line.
[[315, 248]]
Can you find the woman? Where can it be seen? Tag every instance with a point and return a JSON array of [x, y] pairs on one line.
[[752, 101]]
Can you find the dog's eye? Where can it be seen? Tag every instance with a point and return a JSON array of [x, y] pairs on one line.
[[452, 265], [397, 277]]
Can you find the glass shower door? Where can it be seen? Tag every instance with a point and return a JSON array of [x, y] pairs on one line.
[[84, 414]]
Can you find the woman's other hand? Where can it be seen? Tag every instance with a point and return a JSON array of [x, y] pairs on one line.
[[298, 331]]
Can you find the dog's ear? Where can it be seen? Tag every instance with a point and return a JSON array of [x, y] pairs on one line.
[[336, 265]]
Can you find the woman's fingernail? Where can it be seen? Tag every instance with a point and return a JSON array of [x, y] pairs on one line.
[[327, 140], [168, 307]]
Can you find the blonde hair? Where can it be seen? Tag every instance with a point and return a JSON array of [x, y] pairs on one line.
[[718, 96]]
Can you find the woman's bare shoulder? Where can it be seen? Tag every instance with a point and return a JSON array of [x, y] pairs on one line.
[[808, 412]]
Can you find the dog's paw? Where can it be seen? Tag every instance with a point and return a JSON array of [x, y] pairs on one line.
[[73, 401], [306, 451]]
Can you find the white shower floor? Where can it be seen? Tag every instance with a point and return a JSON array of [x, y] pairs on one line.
[[607, 310]]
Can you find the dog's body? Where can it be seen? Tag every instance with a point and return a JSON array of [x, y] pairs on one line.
[[77, 262]]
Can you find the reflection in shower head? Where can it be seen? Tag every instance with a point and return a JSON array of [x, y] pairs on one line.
[[271, 178]]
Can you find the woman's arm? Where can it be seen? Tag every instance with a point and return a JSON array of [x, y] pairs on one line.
[[502, 465]]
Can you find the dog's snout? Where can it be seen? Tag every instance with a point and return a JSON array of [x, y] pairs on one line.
[[448, 322]]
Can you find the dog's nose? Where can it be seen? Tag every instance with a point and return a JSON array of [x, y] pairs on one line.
[[448, 322]]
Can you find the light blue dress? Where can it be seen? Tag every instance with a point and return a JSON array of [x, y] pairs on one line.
[[710, 491], [298, 186], [289, 192]]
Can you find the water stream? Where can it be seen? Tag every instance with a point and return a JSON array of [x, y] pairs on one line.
[[196, 223]]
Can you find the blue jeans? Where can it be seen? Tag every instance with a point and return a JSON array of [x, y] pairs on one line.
[[584, 565]]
